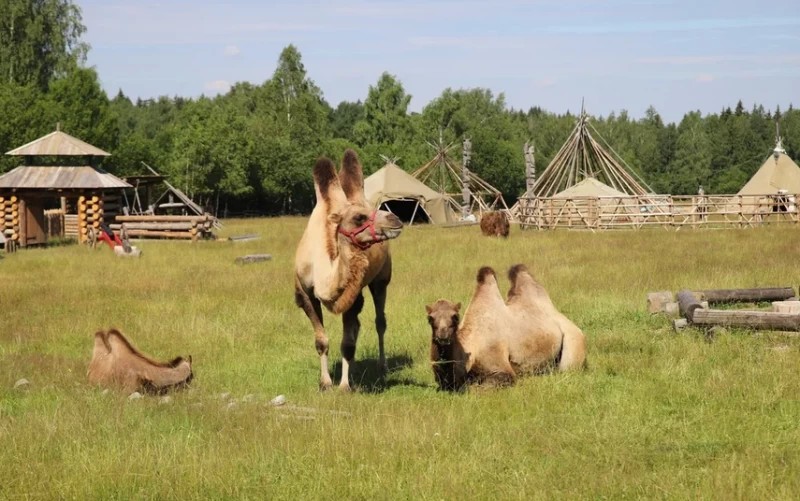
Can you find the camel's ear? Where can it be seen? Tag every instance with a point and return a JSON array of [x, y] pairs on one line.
[[457, 307], [352, 177], [428, 309], [325, 179], [189, 358]]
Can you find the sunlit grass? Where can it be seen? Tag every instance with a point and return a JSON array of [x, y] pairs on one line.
[[657, 414]]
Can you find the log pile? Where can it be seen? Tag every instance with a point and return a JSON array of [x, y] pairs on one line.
[[161, 226], [71, 226], [9, 220], [90, 215], [692, 307]]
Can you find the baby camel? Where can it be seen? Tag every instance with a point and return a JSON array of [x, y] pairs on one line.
[[498, 340], [115, 362]]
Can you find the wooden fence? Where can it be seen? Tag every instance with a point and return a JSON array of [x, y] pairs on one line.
[[666, 211]]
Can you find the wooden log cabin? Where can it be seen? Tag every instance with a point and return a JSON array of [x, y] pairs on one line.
[[62, 172]]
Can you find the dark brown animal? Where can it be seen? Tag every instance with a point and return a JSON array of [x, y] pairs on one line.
[[498, 340], [344, 249], [495, 224], [117, 363], [443, 318]]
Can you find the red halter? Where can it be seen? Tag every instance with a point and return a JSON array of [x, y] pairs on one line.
[[369, 224]]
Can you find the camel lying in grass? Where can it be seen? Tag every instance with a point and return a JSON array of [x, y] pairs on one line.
[[117, 363], [498, 340], [343, 250]]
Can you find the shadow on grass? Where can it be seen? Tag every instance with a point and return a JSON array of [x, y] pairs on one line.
[[366, 376]]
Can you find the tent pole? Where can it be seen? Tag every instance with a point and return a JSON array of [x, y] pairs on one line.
[[413, 214]]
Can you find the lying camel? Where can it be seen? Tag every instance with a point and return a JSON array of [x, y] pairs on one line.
[[116, 363], [498, 340], [495, 224], [343, 250]]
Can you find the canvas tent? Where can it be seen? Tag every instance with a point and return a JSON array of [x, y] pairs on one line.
[[778, 172], [590, 187], [392, 188]]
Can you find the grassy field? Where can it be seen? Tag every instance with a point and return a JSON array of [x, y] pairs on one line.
[[656, 415]]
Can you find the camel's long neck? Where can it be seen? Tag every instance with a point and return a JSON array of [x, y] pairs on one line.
[[443, 353], [344, 279]]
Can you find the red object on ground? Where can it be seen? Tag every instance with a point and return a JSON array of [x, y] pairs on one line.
[[108, 236]]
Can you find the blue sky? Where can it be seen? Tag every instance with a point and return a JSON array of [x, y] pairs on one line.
[[675, 55]]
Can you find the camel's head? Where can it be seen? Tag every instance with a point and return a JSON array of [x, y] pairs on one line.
[[342, 195], [362, 226], [443, 319]]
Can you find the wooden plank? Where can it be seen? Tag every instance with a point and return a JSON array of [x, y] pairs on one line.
[[748, 319], [747, 295], [244, 238], [253, 258], [786, 306], [160, 234], [145, 219], [177, 226]]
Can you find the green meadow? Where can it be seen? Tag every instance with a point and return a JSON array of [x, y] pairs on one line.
[[657, 414]]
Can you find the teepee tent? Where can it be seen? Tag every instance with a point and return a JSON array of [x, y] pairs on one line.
[[466, 191], [583, 157], [777, 175], [589, 187], [391, 188]]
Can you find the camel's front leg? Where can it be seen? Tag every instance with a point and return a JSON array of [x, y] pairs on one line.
[[313, 310], [378, 291], [349, 339]]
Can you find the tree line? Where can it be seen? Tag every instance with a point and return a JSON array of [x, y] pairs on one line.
[[252, 148]]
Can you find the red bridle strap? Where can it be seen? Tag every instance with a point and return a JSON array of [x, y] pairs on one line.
[[370, 225]]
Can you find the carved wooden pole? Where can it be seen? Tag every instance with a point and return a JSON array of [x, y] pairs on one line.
[[466, 195], [530, 166]]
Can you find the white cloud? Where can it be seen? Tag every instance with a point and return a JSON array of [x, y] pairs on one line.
[[704, 78], [231, 50], [218, 86]]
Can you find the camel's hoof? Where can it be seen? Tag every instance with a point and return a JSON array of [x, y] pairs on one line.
[[345, 388], [325, 386]]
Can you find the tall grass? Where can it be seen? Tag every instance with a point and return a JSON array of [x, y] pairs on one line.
[[657, 414]]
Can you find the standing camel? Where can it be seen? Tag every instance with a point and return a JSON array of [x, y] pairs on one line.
[[343, 250]]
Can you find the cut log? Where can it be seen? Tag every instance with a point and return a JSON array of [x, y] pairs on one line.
[[679, 324], [143, 219], [244, 238], [159, 234], [786, 306], [656, 301], [155, 226], [747, 295], [253, 258], [749, 319], [687, 304]]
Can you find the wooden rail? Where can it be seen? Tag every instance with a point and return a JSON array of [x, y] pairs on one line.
[[665, 211]]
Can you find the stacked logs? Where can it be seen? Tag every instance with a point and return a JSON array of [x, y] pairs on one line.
[[693, 308], [90, 215], [162, 226], [9, 218]]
